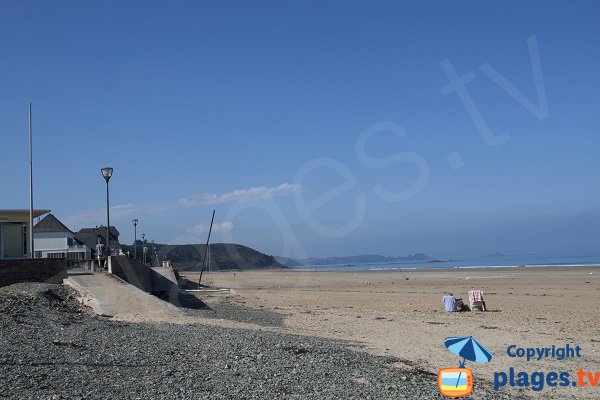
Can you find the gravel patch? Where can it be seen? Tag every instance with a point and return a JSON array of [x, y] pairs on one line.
[[225, 308], [51, 347], [234, 312]]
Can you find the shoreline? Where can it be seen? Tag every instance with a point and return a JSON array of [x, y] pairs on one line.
[[326, 268]]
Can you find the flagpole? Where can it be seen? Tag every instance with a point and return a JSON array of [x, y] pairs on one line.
[[30, 233], [206, 250]]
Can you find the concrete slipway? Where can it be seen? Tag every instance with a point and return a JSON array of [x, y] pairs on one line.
[[109, 295]]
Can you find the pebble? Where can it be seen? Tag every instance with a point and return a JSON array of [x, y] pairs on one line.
[[48, 340]]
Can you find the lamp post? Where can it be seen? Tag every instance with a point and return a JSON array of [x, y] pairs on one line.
[[107, 173], [154, 253], [144, 248], [135, 222]]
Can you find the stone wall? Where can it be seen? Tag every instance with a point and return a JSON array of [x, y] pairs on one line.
[[48, 270]]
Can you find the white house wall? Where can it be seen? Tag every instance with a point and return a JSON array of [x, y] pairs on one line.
[[51, 241], [48, 244]]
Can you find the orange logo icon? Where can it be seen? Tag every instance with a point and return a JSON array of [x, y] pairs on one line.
[[455, 382]]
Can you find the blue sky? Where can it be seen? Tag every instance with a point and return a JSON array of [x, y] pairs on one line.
[[313, 128]]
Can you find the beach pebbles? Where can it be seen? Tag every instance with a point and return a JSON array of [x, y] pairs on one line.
[[53, 348]]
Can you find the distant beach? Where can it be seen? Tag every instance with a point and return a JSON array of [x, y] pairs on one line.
[[507, 261]]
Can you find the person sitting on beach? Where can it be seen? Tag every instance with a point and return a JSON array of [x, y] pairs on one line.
[[449, 302], [461, 306]]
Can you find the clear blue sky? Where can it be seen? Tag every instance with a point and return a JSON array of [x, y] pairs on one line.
[[257, 109]]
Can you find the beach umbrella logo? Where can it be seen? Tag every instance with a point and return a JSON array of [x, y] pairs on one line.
[[458, 382], [468, 348]]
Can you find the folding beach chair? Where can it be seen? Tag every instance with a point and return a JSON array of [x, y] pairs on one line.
[[476, 300]]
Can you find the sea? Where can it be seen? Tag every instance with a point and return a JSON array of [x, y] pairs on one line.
[[504, 261]]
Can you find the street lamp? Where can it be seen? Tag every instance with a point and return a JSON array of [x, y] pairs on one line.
[[135, 222], [153, 253], [144, 247], [107, 173]]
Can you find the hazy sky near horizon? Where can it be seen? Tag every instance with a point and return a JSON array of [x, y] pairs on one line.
[[313, 128]]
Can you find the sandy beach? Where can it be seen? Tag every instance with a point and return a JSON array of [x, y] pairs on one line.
[[399, 313]]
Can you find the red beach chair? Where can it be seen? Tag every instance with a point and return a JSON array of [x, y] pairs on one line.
[[476, 300]]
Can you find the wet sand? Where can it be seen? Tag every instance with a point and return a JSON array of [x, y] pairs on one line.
[[400, 314]]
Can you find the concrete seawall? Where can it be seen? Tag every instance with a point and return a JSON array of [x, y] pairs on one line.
[[49, 270], [110, 296], [160, 281]]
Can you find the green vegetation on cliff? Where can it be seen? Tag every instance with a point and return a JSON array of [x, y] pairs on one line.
[[223, 256]]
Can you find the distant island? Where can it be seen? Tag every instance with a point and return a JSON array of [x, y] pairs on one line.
[[352, 260], [222, 256]]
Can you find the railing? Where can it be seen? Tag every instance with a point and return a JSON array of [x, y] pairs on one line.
[[77, 248], [74, 248]]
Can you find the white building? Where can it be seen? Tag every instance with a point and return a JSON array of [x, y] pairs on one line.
[[52, 239]]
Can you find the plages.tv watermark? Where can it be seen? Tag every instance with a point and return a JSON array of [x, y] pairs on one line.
[[538, 380], [459, 381]]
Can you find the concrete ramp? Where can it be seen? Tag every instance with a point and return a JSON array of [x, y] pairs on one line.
[[159, 281], [109, 295]]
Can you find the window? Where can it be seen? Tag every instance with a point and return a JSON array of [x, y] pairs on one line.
[[56, 255], [25, 244], [76, 256], [13, 238]]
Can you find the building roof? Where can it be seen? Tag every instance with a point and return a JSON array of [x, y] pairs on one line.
[[101, 230], [89, 237], [21, 215], [50, 224]]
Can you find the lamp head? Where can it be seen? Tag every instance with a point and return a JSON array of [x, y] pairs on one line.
[[135, 221], [107, 173]]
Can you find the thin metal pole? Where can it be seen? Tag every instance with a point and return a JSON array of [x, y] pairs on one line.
[[135, 241], [206, 250], [107, 224], [30, 232]]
